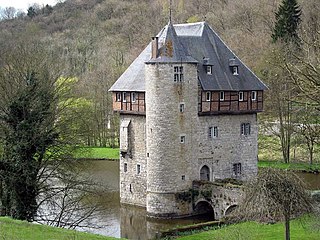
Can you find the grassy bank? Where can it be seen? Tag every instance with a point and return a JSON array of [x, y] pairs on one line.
[[306, 228], [290, 166], [97, 153], [20, 230]]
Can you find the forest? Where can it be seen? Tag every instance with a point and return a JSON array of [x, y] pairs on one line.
[[92, 42]]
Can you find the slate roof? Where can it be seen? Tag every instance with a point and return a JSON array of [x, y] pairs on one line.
[[192, 43]]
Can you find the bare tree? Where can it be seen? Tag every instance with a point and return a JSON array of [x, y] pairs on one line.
[[275, 195]]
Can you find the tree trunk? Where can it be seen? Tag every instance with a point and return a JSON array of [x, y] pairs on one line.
[[287, 226]]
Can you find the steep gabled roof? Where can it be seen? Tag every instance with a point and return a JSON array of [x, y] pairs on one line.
[[193, 43]]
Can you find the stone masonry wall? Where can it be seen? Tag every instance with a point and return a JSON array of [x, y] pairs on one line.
[[230, 147], [133, 185], [171, 163]]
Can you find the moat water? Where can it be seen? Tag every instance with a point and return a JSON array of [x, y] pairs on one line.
[[130, 222]]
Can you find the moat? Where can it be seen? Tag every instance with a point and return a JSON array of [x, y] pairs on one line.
[[130, 222]]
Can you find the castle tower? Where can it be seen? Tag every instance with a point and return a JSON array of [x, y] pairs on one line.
[[171, 125]]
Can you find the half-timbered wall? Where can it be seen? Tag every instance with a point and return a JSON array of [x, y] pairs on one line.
[[230, 102], [129, 102]]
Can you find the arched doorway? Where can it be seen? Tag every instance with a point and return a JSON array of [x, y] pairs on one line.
[[230, 209], [204, 209], [205, 173]]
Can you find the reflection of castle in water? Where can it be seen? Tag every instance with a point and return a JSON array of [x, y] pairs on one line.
[[135, 225]]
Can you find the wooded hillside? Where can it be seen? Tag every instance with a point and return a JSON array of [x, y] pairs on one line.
[[95, 40]]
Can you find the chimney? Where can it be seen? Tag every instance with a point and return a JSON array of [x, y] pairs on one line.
[[154, 47]]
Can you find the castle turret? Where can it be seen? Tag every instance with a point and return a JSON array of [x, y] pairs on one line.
[[171, 111]]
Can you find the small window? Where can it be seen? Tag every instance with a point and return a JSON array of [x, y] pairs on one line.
[[237, 169], [133, 97], [208, 96], [245, 129], [240, 96], [213, 132], [181, 107], [125, 167], [124, 97], [118, 97], [254, 95], [235, 70], [178, 74], [138, 169], [183, 177], [209, 70], [182, 139], [221, 96]]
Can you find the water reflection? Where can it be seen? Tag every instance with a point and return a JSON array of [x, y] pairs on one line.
[[128, 221]]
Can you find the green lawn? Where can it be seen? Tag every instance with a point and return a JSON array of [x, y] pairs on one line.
[[306, 228], [96, 152], [20, 230], [289, 166]]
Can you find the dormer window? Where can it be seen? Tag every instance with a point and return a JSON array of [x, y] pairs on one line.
[[178, 74], [133, 97], [209, 70], [124, 97], [235, 70], [221, 96]]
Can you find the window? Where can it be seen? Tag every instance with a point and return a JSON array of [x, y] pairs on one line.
[[181, 107], [178, 74], [138, 168], [208, 96], [183, 177], [235, 70], [124, 97], [182, 139], [133, 97], [213, 132], [125, 167], [209, 70], [240, 96], [245, 129], [254, 95], [237, 169], [221, 96], [118, 97]]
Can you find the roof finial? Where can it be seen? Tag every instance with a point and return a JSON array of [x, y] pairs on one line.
[[170, 11]]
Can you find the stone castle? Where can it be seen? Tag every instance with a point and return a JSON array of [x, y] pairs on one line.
[[188, 109]]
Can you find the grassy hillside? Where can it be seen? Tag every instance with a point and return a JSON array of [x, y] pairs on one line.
[[19, 230]]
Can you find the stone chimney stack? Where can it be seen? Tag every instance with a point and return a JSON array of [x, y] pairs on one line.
[[155, 47]]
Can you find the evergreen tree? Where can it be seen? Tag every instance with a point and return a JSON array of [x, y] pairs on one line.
[[287, 22]]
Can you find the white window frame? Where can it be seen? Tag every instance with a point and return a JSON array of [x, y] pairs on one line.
[[254, 95], [181, 107], [209, 70], [221, 96], [118, 97], [245, 129], [208, 96], [124, 97], [178, 74], [235, 70], [241, 96], [213, 132], [182, 139], [133, 97]]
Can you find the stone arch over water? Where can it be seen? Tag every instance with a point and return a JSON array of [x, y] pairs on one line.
[[230, 209], [203, 207]]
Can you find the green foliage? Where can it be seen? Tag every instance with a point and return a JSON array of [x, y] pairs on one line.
[[193, 19], [14, 229], [287, 22]]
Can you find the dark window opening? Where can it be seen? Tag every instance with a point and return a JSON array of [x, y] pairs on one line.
[[138, 169], [118, 97], [178, 74], [125, 167], [245, 129], [237, 169]]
